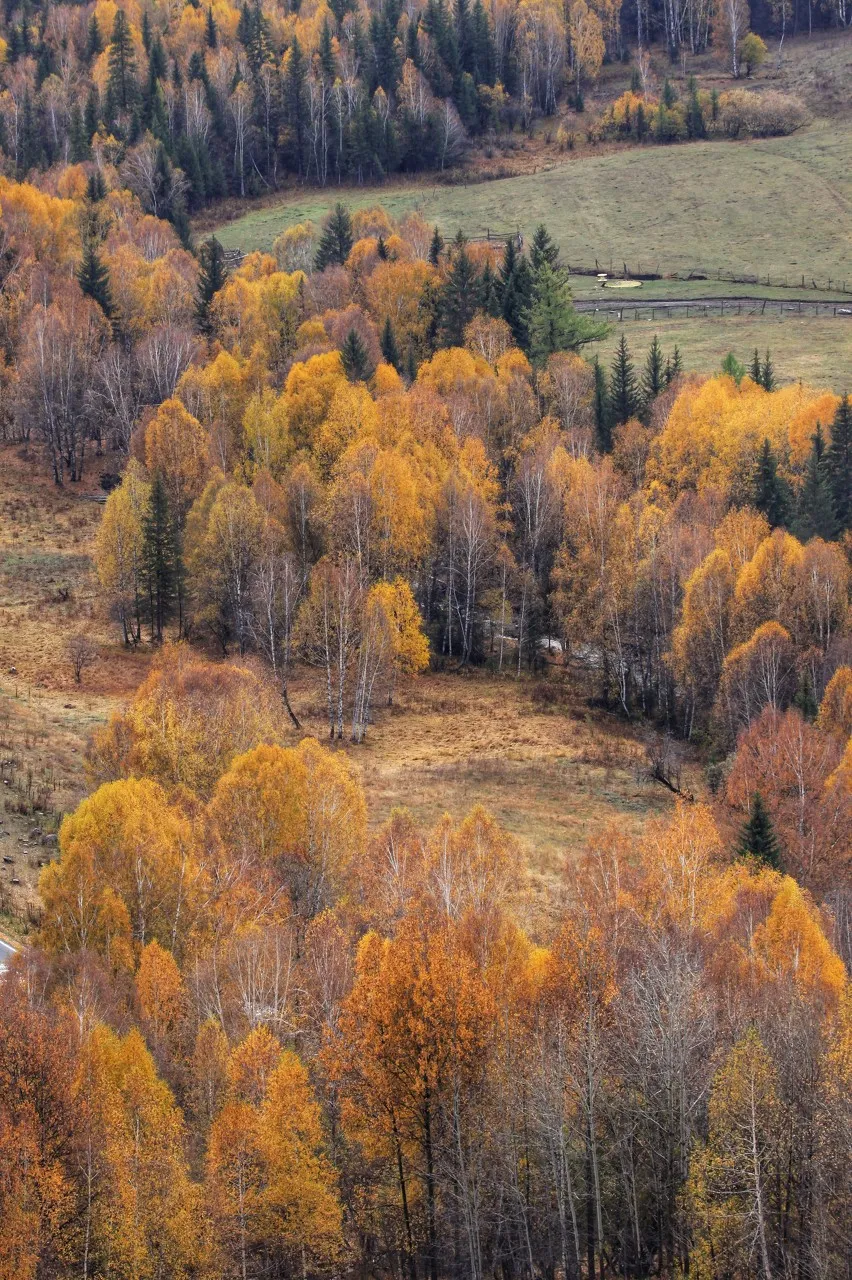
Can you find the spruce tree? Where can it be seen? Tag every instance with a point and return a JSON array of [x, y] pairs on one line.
[[436, 248], [121, 77], [335, 242], [768, 379], [756, 371], [491, 292], [758, 838], [653, 378], [815, 516], [676, 366], [459, 299], [543, 249], [355, 358], [390, 351], [603, 424], [770, 491], [93, 277], [211, 35], [211, 276], [516, 287], [94, 43], [552, 322], [839, 464], [623, 391], [159, 564], [411, 366]]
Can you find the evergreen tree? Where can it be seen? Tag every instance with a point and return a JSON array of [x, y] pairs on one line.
[[758, 838], [756, 372], [121, 78], [160, 570], [653, 378], [459, 299], [552, 321], [815, 515], [543, 249], [676, 366], [623, 391], [695, 126], [146, 32], [96, 187], [93, 277], [768, 380], [92, 114], [211, 276], [839, 464], [390, 351], [515, 287], [80, 149], [669, 95], [603, 424], [411, 366], [355, 358], [335, 242], [94, 43], [732, 367], [436, 248], [770, 491], [326, 53], [211, 35], [491, 293]]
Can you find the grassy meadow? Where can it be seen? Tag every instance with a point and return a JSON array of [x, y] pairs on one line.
[[779, 207]]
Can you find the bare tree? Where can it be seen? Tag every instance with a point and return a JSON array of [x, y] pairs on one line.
[[82, 653]]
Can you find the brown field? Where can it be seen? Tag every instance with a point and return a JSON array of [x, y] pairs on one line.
[[551, 771]]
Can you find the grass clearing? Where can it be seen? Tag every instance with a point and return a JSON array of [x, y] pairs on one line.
[[817, 351], [778, 207]]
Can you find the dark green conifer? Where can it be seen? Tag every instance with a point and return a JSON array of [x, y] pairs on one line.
[[93, 277], [390, 350], [758, 838], [94, 43], [653, 378], [815, 516], [768, 381], [458, 299], [335, 242], [121, 78], [603, 423], [623, 390], [211, 35], [770, 492], [839, 463], [211, 276], [436, 248], [543, 249], [515, 287], [756, 370], [160, 570], [355, 358]]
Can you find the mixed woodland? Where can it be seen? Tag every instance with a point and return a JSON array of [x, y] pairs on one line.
[[194, 102], [257, 1035]]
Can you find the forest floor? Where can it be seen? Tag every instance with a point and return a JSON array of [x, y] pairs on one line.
[[779, 207], [552, 771]]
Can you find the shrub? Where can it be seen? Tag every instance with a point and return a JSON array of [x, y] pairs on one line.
[[760, 115]]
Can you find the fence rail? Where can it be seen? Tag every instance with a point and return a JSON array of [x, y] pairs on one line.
[[647, 271], [714, 307]]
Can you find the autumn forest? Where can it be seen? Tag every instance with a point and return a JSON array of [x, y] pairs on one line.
[[257, 1020]]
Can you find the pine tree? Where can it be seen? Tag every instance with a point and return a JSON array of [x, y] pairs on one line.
[[355, 358], [326, 53], [732, 367], [552, 322], [653, 379], [159, 559], [459, 299], [676, 366], [121, 79], [603, 425], [815, 515], [839, 464], [335, 242], [770, 491], [390, 351], [756, 372], [768, 380], [211, 35], [516, 287], [543, 249], [623, 391], [758, 838], [93, 277], [491, 293], [94, 43], [436, 248], [212, 275]]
